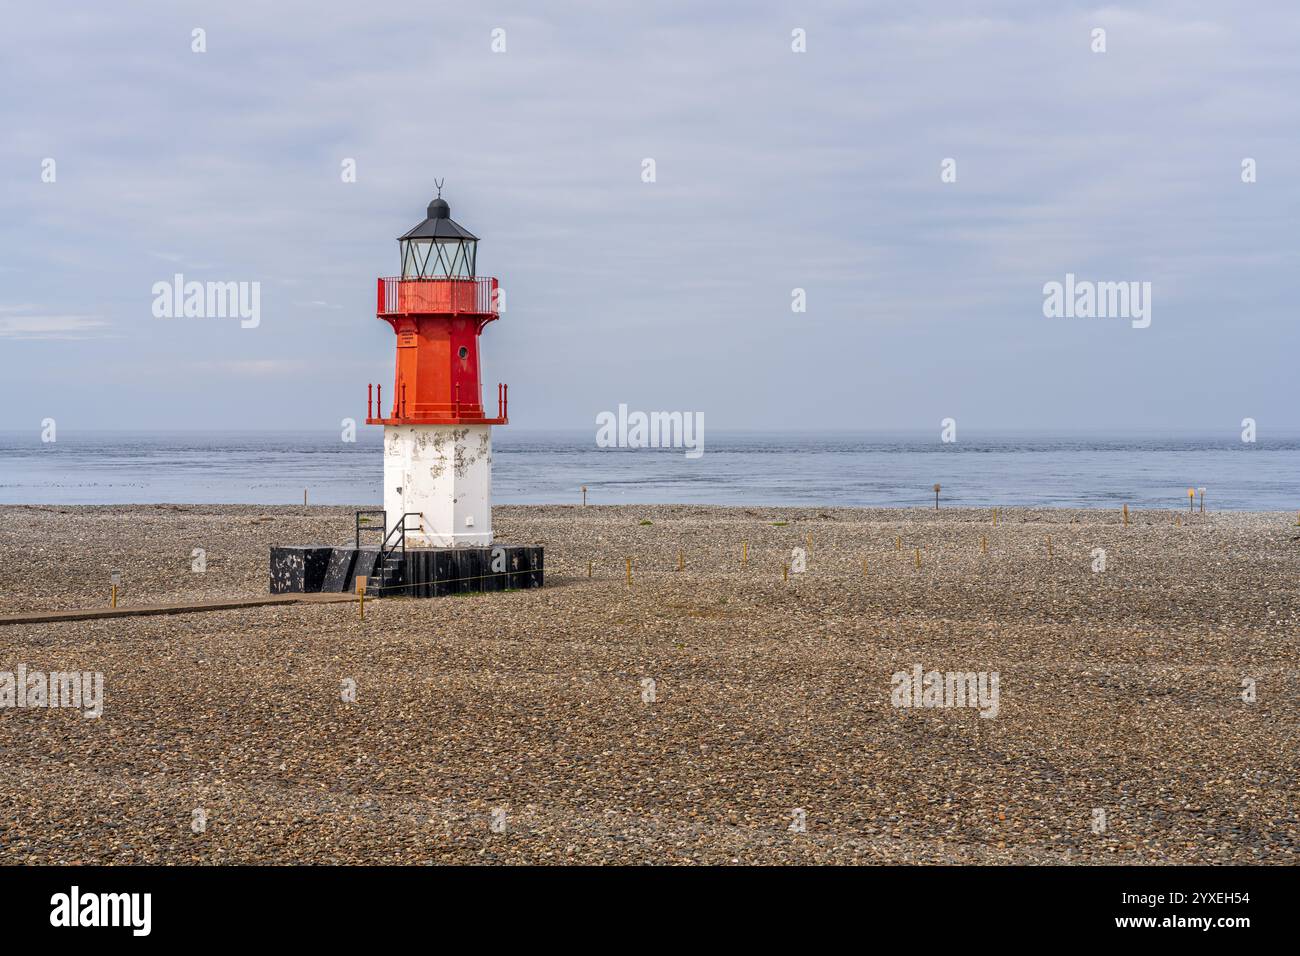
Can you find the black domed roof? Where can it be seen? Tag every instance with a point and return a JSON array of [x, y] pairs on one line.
[[439, 225]]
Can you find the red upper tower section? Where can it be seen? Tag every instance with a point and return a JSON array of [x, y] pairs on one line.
[[438, 307]]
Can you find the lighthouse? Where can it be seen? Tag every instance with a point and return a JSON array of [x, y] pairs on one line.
[[437, 434], [436, 532]]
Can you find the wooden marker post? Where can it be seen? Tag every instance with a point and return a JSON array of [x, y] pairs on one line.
[[918, 557], [584, 496], [589, 563], [1126, 516], [680, 561], [785, 573], [995, 517], [809, 542], [984, 544], [361, 594], [1202, 491], [898, 544], [304, 497], [936, 496], [744, 552], [115, 580]]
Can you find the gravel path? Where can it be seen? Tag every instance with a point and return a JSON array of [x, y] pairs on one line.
[[1119, 691]]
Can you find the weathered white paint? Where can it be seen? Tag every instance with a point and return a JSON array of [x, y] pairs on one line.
[[443, 473]]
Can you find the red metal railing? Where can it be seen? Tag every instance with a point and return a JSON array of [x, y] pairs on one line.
[[375, 407], [397, 295]]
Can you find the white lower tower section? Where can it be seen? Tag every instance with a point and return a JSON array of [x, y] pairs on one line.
[[443, 474]]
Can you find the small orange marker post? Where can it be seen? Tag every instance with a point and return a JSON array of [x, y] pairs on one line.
[[1191, 499], [918, 557], [898, 544], [680, 561], [1126, 516], [361, 594], [984, 544], [785, 573], [744, 552]]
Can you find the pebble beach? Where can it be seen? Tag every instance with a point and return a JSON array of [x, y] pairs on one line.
[[721, 707]]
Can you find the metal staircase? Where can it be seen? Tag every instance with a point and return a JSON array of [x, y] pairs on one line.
[[390, 567]]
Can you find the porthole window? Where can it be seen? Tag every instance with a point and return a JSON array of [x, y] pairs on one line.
[[463, 352]]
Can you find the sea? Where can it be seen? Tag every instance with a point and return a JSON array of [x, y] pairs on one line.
[[809, 469]]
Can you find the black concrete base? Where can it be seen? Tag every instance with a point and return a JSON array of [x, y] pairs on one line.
[[338, 576], [298, 570], [367, 561], [421, 572]]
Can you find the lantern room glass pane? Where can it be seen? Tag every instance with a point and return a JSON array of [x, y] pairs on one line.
[[437, 258], [415, 253], [446, 254], [452, 258]]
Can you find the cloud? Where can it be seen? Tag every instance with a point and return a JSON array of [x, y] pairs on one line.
[[61, 327], [775, 170]]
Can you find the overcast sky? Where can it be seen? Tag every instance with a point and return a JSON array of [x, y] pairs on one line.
[[775, 170]]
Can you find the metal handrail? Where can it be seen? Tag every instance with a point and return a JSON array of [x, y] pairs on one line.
[[359, 529], [397, 295], [385, 551], [375, 411]]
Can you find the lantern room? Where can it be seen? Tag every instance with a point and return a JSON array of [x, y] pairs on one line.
[[438, 248]]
